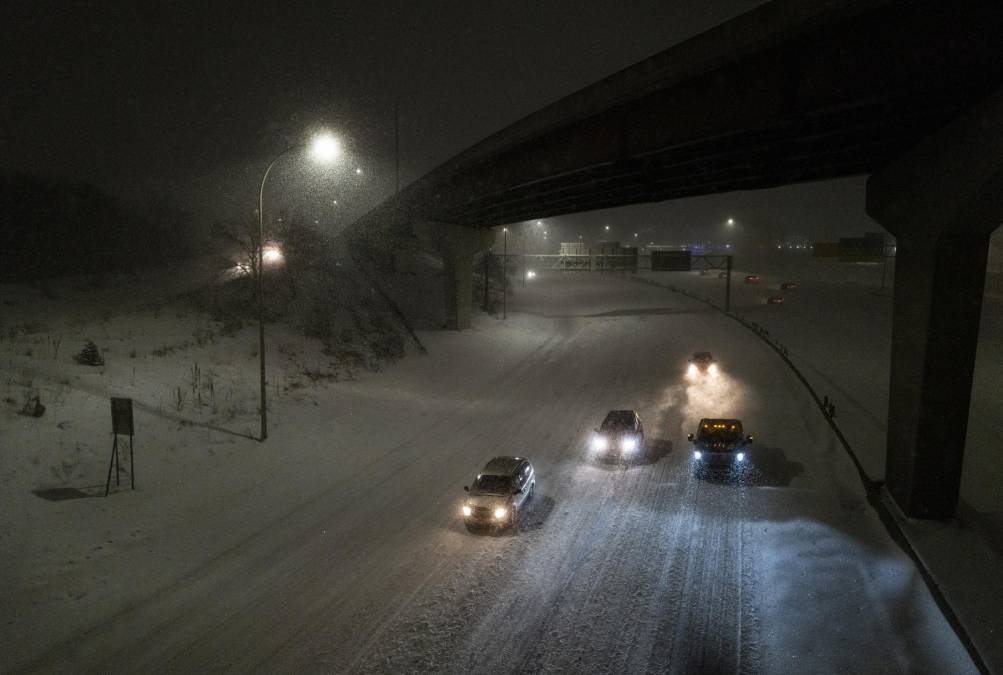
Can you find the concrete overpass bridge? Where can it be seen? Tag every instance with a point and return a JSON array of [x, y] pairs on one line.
[[909, 92]]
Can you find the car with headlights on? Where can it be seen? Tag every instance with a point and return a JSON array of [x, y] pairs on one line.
[[752, 278], [719, 444], [701, 362], [775, 300], [620, 436], [500, 490]]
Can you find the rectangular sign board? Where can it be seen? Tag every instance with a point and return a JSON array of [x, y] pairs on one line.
[[670, 261], [121, 416]]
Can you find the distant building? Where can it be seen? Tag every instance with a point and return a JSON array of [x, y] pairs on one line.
[[609, 255], [825, 249], [869, 248], [574, 248], [872, 247], [794, 242]]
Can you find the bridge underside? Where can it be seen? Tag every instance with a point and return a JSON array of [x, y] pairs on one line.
[[839, 98]]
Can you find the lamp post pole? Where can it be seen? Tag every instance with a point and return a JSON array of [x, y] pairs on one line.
[[261, 290], [327, 147]]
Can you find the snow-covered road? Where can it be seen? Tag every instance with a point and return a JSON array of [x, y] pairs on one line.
[[356, 560]]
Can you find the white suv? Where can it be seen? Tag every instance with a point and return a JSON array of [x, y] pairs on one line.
[[499, 492]]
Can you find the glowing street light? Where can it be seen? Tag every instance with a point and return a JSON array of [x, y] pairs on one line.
[[323, 148], [272, 255], [607, 228], [731, 222]]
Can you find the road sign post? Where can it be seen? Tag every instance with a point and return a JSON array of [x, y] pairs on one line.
[[121, 424]]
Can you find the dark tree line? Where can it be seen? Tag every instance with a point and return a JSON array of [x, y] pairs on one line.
[[51, 228]]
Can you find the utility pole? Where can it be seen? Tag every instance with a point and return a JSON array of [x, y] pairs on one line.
[[505, 273], [397, 147], [524, 256], [727, 285], [487, 277]]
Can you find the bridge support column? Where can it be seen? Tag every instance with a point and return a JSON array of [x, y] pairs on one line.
[[457, 245], [941, 200]]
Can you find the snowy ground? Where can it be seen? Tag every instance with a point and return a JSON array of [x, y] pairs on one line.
[[337, 545]]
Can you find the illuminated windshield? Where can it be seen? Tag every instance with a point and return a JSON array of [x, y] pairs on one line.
[[493, 484]]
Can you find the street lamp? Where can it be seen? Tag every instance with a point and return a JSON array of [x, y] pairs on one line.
[[323, 148]]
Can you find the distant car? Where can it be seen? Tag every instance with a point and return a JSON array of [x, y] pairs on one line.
[[789, 286], [752, 278], [722, 275], [498, 493], [775, 300], [718, 443], [620, 435], [701, 362]]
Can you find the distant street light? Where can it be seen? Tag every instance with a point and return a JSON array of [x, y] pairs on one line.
[[731, 222], [607, 228], [323, 148]]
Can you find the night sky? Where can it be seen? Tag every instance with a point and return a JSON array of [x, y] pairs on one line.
[[192, 99]]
